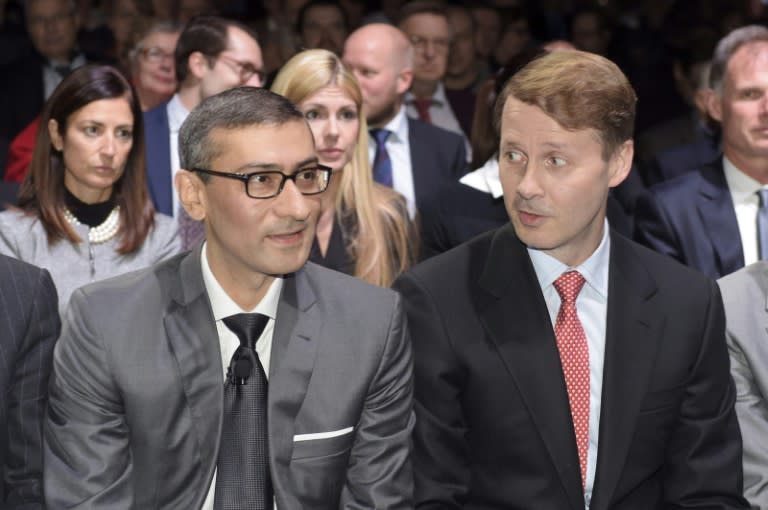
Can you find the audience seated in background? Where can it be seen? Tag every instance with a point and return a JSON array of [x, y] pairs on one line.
[[213, 54], [322, 24], [83, 211], [709, 218], [411, 156], [363, 228], [426, 24], [52, 26], [151, 62]]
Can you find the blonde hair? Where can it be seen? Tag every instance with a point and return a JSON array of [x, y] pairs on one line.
[[383, 240]]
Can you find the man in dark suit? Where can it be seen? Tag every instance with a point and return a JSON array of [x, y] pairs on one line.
[[212, 55], [30, 325], [709, 218], [143, 411], [559, 365], [27, 83], [422, 156]]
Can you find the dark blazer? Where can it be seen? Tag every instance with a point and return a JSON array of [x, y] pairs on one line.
[[682, 159], [137, 391], [493, 425], [692, 219], [437, 157], [157, 144], [29, 321]]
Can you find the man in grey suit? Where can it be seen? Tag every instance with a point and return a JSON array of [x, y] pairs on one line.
[[29, 320], [745, 296], [136, 413]]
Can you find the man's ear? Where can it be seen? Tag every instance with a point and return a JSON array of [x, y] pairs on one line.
[[715, 107], [53, 131], [198, 64], [621, 163], [192, 194], [404, 80]]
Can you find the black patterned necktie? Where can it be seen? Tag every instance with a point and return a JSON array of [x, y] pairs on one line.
[[242, 478]]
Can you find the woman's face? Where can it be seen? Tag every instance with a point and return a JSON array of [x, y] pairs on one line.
[[334, 119], [154, 70], [95, 146]]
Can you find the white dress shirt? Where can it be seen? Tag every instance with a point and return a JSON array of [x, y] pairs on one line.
[[399, 150], [592, 309], [485, 178], [223, 306], [52, 78], [743, 189], [177, 114]]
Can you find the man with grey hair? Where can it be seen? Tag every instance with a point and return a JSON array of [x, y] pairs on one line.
[[238, 373], [715, 219], [52, 26], [413, 157]]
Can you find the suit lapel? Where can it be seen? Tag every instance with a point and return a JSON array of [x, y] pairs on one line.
[[630, 347], [512, 309], [716, 209], [194, 343], [294, 347]]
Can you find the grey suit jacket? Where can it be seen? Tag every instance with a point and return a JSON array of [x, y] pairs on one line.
[[136, 394], [745, 296], [29, 321]]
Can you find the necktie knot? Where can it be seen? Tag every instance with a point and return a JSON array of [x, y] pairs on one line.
[[381, 135], [422, 105], [247, 326], [568, 285]]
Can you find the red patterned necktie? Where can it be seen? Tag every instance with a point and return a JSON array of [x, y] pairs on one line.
[[422, 107], [574, 358]]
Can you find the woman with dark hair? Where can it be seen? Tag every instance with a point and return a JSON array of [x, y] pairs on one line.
[[83, 209]]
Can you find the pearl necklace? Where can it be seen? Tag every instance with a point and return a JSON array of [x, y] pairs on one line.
[[100, 233]]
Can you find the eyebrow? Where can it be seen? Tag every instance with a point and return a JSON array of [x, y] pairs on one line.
[[275, 167]]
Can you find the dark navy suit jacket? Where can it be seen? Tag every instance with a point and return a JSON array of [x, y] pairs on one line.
[[158, 147], [692, 218], [437, 158]]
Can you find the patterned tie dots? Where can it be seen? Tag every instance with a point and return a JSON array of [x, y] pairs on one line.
[[574, 358]]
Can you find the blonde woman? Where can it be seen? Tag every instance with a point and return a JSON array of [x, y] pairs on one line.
[[364, 229]]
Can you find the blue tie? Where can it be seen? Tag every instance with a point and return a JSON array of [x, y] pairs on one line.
[[762, 224], [382, 165]]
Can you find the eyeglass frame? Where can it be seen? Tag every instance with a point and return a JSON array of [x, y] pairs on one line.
[[245, 178], [246, 70], [156, 58]]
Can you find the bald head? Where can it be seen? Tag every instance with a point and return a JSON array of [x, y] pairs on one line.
[[381, 58], [387, 40]]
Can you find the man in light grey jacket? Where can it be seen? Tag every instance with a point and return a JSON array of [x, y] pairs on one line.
[[139, 414], [745, 296]]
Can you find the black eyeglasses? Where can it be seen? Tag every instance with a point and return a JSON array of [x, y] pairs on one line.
[[309, 181], [246, 70]]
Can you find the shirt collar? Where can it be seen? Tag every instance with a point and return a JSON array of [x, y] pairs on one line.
[[223, 305], [594, 269], [438, 96], [485, 178], [741, 186], [176, 113], [398, 125]]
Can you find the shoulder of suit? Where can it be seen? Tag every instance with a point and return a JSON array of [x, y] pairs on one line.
[[421, 128], [688, 182]]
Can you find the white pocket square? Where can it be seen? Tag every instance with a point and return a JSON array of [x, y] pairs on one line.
[[322, 435]]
